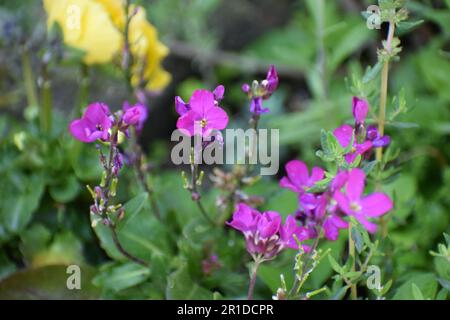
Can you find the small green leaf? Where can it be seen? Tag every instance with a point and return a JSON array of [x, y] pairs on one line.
[[372, 72], [335, 265]]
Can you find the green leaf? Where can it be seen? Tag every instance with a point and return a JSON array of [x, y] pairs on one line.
[[139, 232], [445, 284], [372, 72], [406, 26], [335, 265], [116, 277], [426, 282], [270, 275], [358, 240], [21, 195], [65, 189], [417, 294], [181, 286]]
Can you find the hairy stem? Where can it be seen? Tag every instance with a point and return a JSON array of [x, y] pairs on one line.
[[351, 253], [382, 108], [107, 193], [298, 282], [196, 195], [251, 287]]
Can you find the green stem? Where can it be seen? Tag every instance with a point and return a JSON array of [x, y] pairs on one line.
[[83, 98], [351, 252], [251, 287], [382, 109], [28, 79], [46, 102]]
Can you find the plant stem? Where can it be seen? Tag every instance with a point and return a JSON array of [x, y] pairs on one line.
[[382, 108], [83, 95], [251, 287], [122, 250], [28, 79], [46, 102], [351, 253], [298, 282], [106, 192], [196, 195]]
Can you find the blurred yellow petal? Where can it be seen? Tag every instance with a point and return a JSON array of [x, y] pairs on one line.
[[87, 26], [116, 11]]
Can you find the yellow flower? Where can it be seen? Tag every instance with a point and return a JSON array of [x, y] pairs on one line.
[[148, 52], [87, 26]]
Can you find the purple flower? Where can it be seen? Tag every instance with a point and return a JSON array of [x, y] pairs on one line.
[[181, 107], [203, 116], [218, 93], [353, 203], [264, 233], [246, 88], [360, 108], [270, 84], [374, 135], [94, 124], [134, 115], [261, 91], [316, 211], [256, 106], [298, 179], [344, 136]]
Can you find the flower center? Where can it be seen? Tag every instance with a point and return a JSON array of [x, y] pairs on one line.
[[99, 127], [203, 122], [355, 206]]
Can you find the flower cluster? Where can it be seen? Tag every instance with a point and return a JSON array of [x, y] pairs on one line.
[[79, 21], [325, 210], [265, 234], [364, 139], [260, 91], [321, 212], [97, 121]]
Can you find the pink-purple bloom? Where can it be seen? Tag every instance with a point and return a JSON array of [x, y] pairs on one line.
[[344, 135], [297, 177], [360, 107], [352, 202], [261, 91], [377, 140], [202, 116], [94, 124], [316, 212], [134, 115], [264, 233]]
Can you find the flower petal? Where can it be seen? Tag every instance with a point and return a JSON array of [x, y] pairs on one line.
[[201, 102], [355, 184], [344, 134], [376, 204], [343, 202], [217, 118], [297, 172]]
